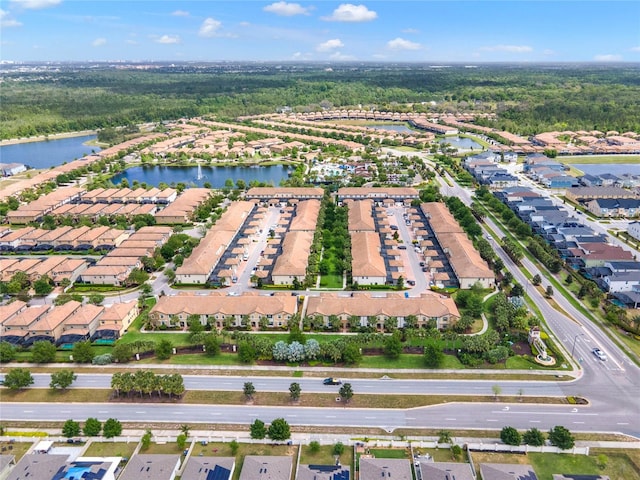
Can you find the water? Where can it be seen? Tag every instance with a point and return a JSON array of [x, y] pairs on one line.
[[614, 168], [216, 176], [47, 154], [395, 128], [462, 143]]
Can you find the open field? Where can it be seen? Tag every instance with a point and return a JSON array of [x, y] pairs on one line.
[[325, 456]]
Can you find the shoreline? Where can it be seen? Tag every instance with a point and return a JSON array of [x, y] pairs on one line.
[[42, 138]]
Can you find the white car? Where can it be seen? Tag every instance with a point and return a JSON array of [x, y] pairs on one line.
[[599, 353]]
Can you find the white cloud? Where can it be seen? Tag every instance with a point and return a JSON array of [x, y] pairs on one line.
[[209, 28], [609, 57], [180, 13], [348, 12], [410, 30], [131, 42], [508, 48], [330, 45], [302, 56], [245, 24], [7, 22], [402, 44], [548, 51], [635, 49], [341, 57], [168, 39], [285, 9], [36, 4], [98, 42]]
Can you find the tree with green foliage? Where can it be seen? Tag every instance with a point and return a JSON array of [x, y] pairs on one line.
[[7, 352], [121, 352], [92, 427], [112, 428], [146, 440], [234, 446], [346, 392], [497, 390], [211, 345], [560, 437], [351, 354], [444, 436], [258, 430], [393, 347], [246, 352], [510, 436], [314, 447], [338, 449], [18, 378], [43, 286], [294, 391], [62, 379], [549, 291], [456, 451], [533, 437], [71, 428], [181, 441], [96, 299], [433, 355], [83, 352], [249, 390], [279, 430], [164, 349], [43, 351]]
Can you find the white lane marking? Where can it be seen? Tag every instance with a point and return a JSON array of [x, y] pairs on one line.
[[491, 420], [27, 411], [534, 421], [411, 418], [141, 412], [331, 416], [622, 423], [215, 414], [578, 422], [370, 418], [103, 411], [450, 419]]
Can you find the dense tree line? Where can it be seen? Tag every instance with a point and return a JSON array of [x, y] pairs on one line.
[[527, 99]]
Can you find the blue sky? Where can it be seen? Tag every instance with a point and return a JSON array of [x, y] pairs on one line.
[[422, 31]]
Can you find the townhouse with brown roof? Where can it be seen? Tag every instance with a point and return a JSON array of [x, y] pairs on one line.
[[305, 216], [292, 263], [276, 195], [182, 208], [360, 215], [367, 264], [51, 325], [115, 320], [81, 325], [220, 310], [364, 310], [16, 329], [13, 238], [199, 266], [44, 267], [378, 194], [9, 311], [468, 267], [70, 269], [36, 209]]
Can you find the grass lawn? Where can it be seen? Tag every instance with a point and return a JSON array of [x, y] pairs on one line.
[[331, 280], [390, 452], [18, 449], [546, 464], [111, 449], [163, 448], [440, 454], [176, 338], [325, 456]]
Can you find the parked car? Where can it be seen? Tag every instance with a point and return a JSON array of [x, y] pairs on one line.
[[332, 381], [411, 282], [402, 247], [599, 353]]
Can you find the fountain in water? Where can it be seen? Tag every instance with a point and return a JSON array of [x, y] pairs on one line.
[[199, 176]]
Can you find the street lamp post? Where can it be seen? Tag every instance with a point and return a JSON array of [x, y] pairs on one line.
[[574, 342]]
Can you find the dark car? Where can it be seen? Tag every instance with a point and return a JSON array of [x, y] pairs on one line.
[[332, 381]]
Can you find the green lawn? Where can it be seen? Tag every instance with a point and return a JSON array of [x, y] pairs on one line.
[[596, 159], [17, 449], [163, 448], [440, 454], [177, 339], [546, 464], [196, 359], [331, 280], [110, 449], [390, 452], [325, 456]]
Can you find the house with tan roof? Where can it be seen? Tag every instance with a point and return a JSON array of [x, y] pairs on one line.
[[9, 311], [115, 320], [220, 310], [378, 194], [70, 269], [292, 263], [360, 216], [81, 325], [367, 264], [51, 326], [107, 274], [305, 216], [369, 311], [284, 194], [182, 208], [16, 329]]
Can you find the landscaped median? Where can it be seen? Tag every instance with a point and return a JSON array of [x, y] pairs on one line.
[[205, 397]]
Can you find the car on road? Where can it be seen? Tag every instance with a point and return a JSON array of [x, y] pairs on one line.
[[332, 381], [402, 247], [411, 282], [599, 353]]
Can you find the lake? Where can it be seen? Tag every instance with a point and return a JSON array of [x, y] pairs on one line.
[[393, 127], [216, 176], [461, 142], [49, 153], [614, 168]]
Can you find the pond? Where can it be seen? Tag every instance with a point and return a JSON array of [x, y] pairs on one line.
[[614, 168], [461, 142], [197, 177], [48, 153], [398, 127]]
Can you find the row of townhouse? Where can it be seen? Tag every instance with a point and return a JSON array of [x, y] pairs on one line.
[[181, 209], [576, 243], [386, 195], [614, 207], [548, 172], [487, 172], [35, 210], [95, 211], [115, 267], [199, 266], [57, 268], [623, 180], [128, 195], [72, 322], [30, 239], [254, 310]]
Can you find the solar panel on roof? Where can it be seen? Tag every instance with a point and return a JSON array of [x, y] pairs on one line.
[[219, 473]]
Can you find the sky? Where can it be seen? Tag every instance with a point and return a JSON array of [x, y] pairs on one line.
[[371, 31]]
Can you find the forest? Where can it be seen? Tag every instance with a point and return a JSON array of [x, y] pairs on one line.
[[527, 99]]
